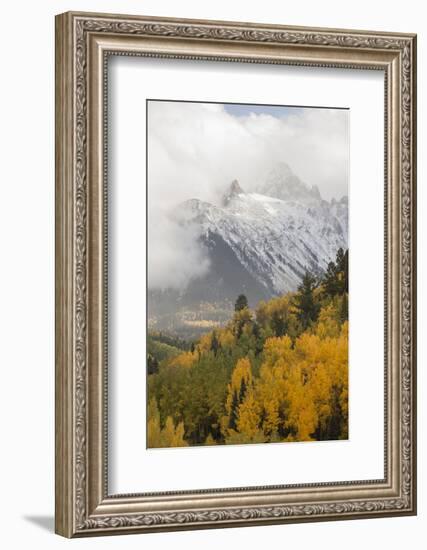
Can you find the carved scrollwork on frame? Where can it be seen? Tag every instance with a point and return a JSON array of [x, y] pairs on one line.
[[83, 27], [244, 514]]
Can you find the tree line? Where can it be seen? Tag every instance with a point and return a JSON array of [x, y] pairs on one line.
[[278, 373]]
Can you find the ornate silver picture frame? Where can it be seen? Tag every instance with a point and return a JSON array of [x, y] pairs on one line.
[[84, 43]]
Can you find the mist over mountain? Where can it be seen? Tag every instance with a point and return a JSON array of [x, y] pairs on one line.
[[283, 184], [257, 243]]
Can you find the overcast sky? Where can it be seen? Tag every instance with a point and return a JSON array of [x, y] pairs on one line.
[[195, 150]]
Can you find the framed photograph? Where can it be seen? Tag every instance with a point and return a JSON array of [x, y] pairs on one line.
[[235, 274]]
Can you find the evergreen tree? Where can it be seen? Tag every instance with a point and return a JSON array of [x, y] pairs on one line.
[[330, 280], [278, 323], [345, 271], [152, 365], [335, 281], [340, 260], [256, 330], [240, 319], [214, 343], [241, 303], [234, 412], [259, 341], [342, 270], [344, 308], [242, 391], [307, 308]]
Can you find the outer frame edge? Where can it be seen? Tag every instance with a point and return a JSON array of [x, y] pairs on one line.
[[63, 278], [64, 381]]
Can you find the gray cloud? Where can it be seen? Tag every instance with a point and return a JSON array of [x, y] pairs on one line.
[[196, 149]]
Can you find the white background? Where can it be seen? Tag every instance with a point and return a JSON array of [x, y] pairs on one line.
[[27, 275], [131, 81]]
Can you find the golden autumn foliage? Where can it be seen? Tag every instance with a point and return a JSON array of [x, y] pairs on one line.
[[300, 393], [205, 342], [241, 377], [301, 389], [169, 435], [278, 373], [185, 359], [226, 338]]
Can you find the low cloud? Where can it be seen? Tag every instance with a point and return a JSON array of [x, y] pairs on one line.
[[175, 255], [196, 149]]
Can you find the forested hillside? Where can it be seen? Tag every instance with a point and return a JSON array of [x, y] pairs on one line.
[[276, 373]]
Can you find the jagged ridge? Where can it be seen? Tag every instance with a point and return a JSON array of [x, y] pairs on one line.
[[275, 239]]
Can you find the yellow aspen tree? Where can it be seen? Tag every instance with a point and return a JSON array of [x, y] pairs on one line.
[[185, 359], [153, 425], [277, 348], [242, 373], [178, 436], [205, 342], [301, 417], [271, 387], [261, 313], [248, 416], [271, 421], [342, 351], [328, 324], [168, 432], [226, 338], [169, 436]]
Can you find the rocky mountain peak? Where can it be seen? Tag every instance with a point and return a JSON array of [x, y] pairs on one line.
[[267, 239], [233, 190], [282, 183]]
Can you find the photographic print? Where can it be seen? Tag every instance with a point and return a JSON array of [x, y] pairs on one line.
[[248, 273]]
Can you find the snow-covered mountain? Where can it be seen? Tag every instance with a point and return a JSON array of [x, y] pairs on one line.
[[275, 234], [260, 243]]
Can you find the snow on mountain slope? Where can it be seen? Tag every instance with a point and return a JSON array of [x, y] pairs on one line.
[[277, 233]]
